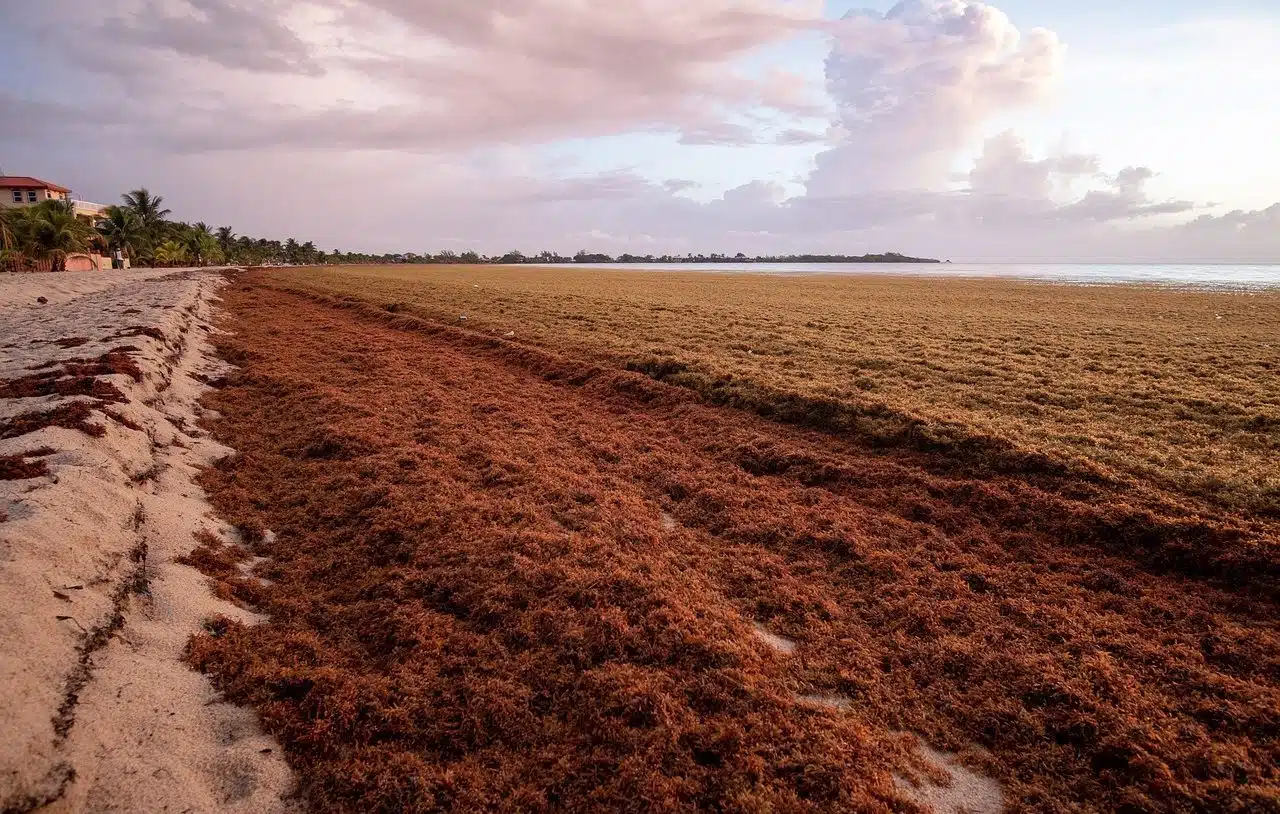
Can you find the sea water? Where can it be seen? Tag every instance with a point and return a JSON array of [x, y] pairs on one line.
[[1204, 275]]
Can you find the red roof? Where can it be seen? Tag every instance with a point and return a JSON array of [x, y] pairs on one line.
[[27, 182]]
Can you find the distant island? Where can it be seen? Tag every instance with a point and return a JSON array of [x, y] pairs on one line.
[[516, 257], [585, 257]]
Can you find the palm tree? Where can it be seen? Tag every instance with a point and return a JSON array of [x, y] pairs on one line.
[[52, 231], [245, 250], [226, 239], [10, 256], [8, 216], [147, 207], [203, 248], [170, 253], [200, 243], [122, 230]]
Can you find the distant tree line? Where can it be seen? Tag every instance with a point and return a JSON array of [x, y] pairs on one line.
[[596, 258], [139, 229]]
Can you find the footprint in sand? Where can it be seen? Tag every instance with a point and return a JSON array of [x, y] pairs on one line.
[[779, 643], [967, 793]]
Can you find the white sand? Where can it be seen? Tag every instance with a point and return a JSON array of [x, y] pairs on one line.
[[827, 700], [18, 292], [780, 643], [136, 730], [966, 791]]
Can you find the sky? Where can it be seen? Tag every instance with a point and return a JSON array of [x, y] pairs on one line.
[[1020, 130]]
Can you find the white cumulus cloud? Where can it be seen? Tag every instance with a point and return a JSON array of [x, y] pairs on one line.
[[912, 86]]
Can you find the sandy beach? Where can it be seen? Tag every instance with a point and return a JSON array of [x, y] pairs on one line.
[[569, 407], [307, 539], [99, 711]]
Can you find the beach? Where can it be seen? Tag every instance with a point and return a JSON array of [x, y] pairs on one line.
[[565, 407], [100, 445], [544, 539]]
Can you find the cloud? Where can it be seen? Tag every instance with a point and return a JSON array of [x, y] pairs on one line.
[[231, 35], [424, 76], [1125, 199], [546, 67], [633, 43], [721, 133], [1252, 236], [397, 125], [678, 185], [1012, 185], [382, 201], [591, 188], [1006, 168], [34, 120], [794, 136], [730, 134], [912, 86]]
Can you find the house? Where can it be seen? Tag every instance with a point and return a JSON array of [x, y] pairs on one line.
[[23, 190]]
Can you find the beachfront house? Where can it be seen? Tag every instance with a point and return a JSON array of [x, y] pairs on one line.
[[23, 190]]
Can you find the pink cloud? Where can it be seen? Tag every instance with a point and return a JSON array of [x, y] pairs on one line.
[[447, 99], [429, 74], [546, 67]]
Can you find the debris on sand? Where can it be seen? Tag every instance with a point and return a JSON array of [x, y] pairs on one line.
[[99, 710]]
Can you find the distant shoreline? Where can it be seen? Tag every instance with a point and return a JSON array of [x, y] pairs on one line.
[[1191, 276], [711, 259]]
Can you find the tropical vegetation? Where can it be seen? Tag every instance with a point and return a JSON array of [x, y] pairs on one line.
[[43, 235], [140, 230]]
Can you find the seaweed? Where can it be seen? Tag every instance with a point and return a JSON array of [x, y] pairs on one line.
[[498, 588]]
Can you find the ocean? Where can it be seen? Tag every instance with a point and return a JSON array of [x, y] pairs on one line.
[[1199, 275]]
